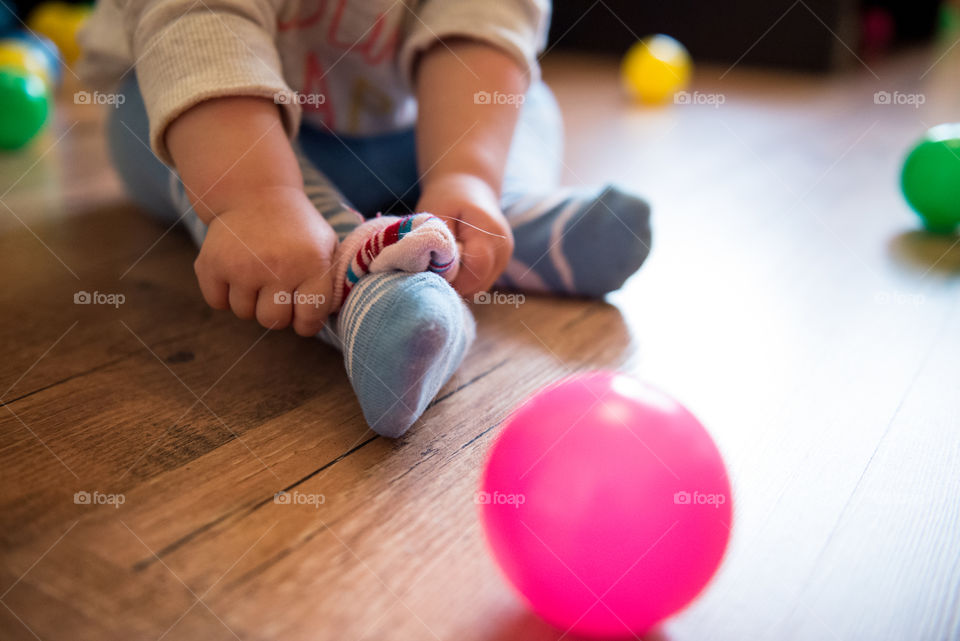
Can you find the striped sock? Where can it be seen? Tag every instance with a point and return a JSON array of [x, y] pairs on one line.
[[403, 336], [402, 328], [327, 199], [414, 243], [583, 244], [411, 244]]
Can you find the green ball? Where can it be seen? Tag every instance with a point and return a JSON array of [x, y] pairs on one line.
[[931, 178], [24, 106]]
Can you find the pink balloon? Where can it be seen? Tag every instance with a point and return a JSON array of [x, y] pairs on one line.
[[606, 504]]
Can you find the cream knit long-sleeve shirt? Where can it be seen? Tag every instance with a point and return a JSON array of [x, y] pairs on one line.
[[346, 65]]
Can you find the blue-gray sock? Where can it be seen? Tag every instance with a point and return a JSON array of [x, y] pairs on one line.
[[584, 244], [403, 336]]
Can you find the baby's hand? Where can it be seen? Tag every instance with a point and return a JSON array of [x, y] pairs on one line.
[[470, 208], [270, 257]]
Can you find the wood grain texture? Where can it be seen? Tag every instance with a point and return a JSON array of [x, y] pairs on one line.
[[789, 302]]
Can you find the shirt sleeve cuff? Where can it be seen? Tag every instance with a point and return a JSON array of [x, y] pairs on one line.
[[518, 28], [208, 55]]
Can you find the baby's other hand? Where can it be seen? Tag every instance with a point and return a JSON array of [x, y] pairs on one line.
[[470, 208], [270, 257]]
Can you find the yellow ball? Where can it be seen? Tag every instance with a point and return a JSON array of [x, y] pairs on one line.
[[656, 68], [19, 55], [60, 22]]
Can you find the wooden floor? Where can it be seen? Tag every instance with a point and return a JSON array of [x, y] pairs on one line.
[[790, 302]]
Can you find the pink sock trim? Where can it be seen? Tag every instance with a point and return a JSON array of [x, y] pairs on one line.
[[415, 243]]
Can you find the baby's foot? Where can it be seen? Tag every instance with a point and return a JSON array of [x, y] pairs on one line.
[[402, 328], [576, 243], [403, 336]]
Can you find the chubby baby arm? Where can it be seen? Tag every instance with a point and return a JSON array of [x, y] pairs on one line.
[[462, 146], [265, 240]]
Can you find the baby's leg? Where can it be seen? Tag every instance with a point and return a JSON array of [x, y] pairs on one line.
[[148, 182], [402, 335], [581, 242]]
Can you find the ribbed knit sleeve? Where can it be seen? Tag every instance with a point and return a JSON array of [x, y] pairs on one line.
[[186, 52], [518, 27]]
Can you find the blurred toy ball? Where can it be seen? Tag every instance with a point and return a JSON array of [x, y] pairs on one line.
[[930, 179], [24, 106], [17, 53], [606, 504], [655, 68], [60, 22], [42, 47]]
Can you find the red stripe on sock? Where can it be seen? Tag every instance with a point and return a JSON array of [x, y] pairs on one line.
[[365, 251], [391, 234]]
